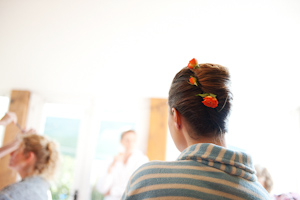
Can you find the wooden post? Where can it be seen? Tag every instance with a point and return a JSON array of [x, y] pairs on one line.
[[157, 138], [19, 101]]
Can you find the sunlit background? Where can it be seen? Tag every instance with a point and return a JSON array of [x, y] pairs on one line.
[[102, 59]]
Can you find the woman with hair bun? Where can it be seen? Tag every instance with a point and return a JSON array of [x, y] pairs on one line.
[[199, 105], [35, 160]]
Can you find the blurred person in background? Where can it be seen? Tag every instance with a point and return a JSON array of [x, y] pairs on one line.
[[113, 184], [35, 159], [265, 179]]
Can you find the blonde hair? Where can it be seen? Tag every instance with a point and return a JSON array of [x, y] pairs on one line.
[[46, 154], [262, 172]]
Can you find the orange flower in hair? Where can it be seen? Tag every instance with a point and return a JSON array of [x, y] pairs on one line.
[[193, 64], [193, 81], [209, 100]]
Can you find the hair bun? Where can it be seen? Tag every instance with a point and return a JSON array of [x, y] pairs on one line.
[[46, 154], [184, 97]]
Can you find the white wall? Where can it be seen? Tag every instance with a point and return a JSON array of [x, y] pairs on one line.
[[95, 47], [132, 49]]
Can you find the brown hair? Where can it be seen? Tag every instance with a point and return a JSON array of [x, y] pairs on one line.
[[203, 121], [45, 152]]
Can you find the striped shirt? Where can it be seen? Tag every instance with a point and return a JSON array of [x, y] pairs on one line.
[[202, 171]]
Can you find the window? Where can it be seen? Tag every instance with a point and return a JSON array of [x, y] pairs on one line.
[[114, 119], [62, 124]]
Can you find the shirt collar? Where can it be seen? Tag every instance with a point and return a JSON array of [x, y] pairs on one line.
[[232, 162]]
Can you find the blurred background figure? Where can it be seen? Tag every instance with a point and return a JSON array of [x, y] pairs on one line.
[[35, 159], [113, 184], [265, 179]]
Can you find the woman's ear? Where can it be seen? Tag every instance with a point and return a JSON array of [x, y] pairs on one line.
[[30, 158], [177, 118]]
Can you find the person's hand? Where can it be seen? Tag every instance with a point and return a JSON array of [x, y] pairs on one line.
[[107, 193], [8, 118], [117, 158], [10, 147]]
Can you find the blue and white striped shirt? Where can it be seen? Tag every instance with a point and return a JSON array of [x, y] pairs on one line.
[[202, 171]]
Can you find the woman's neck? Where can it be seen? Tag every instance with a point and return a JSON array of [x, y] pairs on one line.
[[218, 140], [28, 171], [193, 137]]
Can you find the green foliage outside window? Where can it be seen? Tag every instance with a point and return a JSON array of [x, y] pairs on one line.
[[65, 132], [60, 189]]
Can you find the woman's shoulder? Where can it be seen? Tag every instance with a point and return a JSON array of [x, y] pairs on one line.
[[35, 180], [158, 164], [147, 168], [155, 166], [29, 182], [25, 187]]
